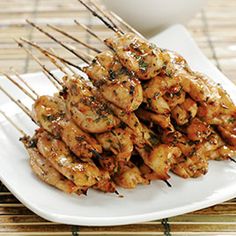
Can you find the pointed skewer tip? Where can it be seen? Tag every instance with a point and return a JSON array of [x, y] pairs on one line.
[[232, 159], [168, 184]]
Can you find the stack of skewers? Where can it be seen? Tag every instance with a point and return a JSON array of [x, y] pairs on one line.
[[137, 113]]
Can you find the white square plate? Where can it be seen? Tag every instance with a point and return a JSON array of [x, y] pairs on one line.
[[151, 202]]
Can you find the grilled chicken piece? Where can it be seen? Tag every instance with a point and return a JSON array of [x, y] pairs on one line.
[[194, 161], [222, 114], [193, 83], [105, 184], [109, 163], [222, 153], [228, 135], [147, 173], [129, 176], [191, 167], [160, 158], [184, 112], [48, 110], [227, 116], [138, 55], [114, 82], [130, 119], [198, 130], [45, 171], [162, 93], [118, 141], [50, 113], [181, 141], [83, 174], [150, 62], [160, 119], [88, 112]]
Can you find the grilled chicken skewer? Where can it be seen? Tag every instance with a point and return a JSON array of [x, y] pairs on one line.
[[50, 104], [134, 73], [42, 167], [106, 72], [82, 173], [50, 113], [199, 87], [86, 109], [126, 153], [178, 62], [63, 160], [116, 85], [118, 140], [129, 118]]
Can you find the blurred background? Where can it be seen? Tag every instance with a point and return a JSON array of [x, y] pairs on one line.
[[213, 28]]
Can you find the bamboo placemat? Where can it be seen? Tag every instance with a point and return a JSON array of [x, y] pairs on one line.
[[214, 31]]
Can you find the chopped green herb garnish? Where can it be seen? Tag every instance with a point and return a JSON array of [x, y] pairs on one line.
[[153, 139], [231, 120], [131, 89], [49, 117], [147, 148], [179, 92], [112, 75], [80, 138], [97, 119], [123, 125], [32, 143], [149, 100], [143, 65]]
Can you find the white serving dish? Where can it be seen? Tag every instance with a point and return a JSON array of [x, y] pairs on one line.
[[151, 16], [145, 203]]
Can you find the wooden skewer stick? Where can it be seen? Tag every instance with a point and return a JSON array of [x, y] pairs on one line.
[[73, 38], [232, 159], [66, 65], [63, 69], [17, 102], [92, 33], [167, 183], [18, 85], [99, 16], [109, 15], [54, 62], [129, 27], [13, 124], [48, 74], [73, 72], [98, 8], [69, 48], [16, 74], [109, 18], [83, 54], [33, 44], [88, 30]]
